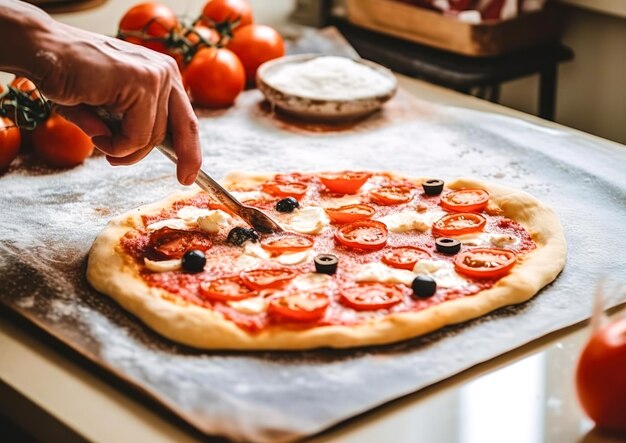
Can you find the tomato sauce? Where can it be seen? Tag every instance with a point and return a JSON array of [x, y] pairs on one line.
[[222, 257]]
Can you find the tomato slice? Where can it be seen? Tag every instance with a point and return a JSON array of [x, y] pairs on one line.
[[391, 195], [173, 243], [292, 178], [226, 289], [285, 189], [369, 296], [258, 279], [286, 243], [405, 257], [345, 182], [364, 234], [458, 224], [465, 200], [305, 307], [350, 213], [485, 262]]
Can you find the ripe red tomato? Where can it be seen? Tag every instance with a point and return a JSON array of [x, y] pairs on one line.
[[485, 262], [301, 307], [369, 296], [199, 31], [458, 224], [60, 143], [25, 85], [465, 200], [391, 195], [226, 289], [286, 243], [10, 140], [404, 257], [214, 78], [152, 20], [350, 213], [216, 12], [254, 45], [346, 182], [258, 279], [368, 235], [168, 243], [600, 378]]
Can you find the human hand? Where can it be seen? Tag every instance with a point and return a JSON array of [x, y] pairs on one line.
[[80, 70]]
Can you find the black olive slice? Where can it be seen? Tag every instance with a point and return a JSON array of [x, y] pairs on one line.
[[326, 263], [194, 261], [433, 186], [448, 245], [424, 286]]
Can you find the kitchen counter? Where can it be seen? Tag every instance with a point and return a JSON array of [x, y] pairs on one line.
[[525, 395]]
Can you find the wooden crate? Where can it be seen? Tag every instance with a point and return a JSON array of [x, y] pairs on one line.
[[487, 39]]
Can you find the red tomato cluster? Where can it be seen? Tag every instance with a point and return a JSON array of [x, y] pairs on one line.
[[55, 141], [218, 54]]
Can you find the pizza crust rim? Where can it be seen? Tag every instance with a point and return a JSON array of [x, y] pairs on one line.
[[109, 272]]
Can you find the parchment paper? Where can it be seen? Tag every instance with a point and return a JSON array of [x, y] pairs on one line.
[[49, 220]]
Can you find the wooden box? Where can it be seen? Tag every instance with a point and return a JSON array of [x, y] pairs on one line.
[[487, 39]]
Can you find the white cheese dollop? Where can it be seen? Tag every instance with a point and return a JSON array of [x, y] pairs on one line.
[[294, 258], [443, 272], [163, 265], [348, 199], [191, 213], [502, 240], [212, 221], [384, 274], [311, 281], [251, 255], [172, 223], [406, 221], [244, 196], [254, 305], [486, 240], [310, 220]]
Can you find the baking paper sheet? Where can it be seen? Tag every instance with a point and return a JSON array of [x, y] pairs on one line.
[[49, 220]]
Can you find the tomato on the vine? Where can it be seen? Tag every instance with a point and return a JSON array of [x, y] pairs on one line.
[[235, 13], [600, 380], [60, 143], [254, 45], [214, 78], [147, 21], [10, 140]]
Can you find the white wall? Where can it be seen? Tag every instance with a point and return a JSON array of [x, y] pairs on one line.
[[591, 92]]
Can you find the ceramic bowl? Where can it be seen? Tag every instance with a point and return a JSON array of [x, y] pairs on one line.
[[320, 109]]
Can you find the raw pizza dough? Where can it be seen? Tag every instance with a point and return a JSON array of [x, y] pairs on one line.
[[110, 271]]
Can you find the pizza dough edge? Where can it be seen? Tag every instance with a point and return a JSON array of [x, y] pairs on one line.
[[109, 272]]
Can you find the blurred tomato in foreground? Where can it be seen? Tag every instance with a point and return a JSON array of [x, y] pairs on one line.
[[145, 21], [254, 45], [214, 78], [601, 377], [60, 143], [10, 140]]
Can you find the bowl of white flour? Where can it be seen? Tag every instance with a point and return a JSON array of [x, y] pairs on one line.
[[326, 88]]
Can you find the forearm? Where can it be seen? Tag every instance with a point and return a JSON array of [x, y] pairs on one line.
[[23, 30]]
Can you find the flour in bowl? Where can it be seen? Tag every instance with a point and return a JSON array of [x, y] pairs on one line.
[[330, 78]]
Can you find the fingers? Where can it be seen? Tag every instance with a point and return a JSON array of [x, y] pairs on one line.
[[86, 119], [183, 126], [129, 159]]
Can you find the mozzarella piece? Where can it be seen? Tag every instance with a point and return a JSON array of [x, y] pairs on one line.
[[348, 199], [384, 274], [163, 265], [311, 281], [254, 305], [173, 223], [443, 272], [254, 249], [191, 213], [213, 220], [310, 220], [243, 196], [502, 240], [294, 258], [406, 221], [245, 262]]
